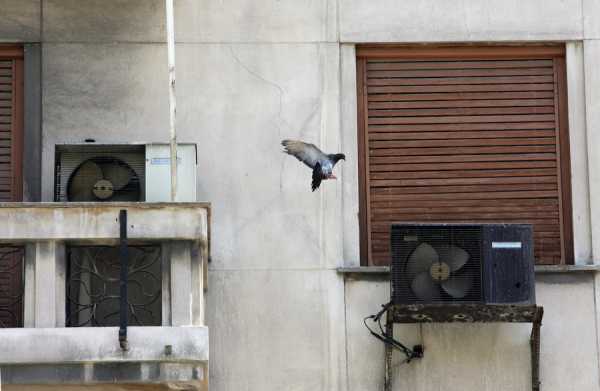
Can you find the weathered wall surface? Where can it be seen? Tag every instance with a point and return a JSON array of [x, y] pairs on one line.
[[461, 20], [493, 357], [251, 73]]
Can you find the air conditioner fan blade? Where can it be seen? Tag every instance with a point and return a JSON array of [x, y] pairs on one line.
[[454, 257], [124, 196], [424, 287], [116, 174], [84, 178], [420, 260], [458, 286]]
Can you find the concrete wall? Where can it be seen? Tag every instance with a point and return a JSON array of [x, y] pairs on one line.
[[492, 357], [251, 73]]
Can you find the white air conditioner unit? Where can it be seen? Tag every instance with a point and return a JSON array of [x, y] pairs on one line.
[[158, 172], [95, 173]]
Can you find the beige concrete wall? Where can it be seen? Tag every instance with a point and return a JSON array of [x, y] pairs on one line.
[[461, 20], [492, 357], [253, 72]]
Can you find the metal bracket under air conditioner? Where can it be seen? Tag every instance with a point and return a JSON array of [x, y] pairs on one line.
[[466, 313]]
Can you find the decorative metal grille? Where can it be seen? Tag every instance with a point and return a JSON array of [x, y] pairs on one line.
[[11, 286], [93, 286]]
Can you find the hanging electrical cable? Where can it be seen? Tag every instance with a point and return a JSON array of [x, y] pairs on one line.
[[415, 352]]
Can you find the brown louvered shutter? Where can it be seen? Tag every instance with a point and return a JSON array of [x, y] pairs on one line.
[[464, 134], [11, 123], [11, 130]]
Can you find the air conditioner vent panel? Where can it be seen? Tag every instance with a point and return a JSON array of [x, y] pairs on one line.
[[436, 264], [116, 162], [103, 179]]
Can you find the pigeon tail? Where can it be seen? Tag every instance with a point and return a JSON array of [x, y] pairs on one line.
[[316, 177]]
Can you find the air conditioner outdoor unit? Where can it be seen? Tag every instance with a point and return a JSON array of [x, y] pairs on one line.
[[462, 263], [95, 173]]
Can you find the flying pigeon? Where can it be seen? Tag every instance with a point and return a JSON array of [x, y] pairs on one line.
[[321, 163]]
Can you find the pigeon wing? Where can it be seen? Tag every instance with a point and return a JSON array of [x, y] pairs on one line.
[[317, 175], [305, 152]]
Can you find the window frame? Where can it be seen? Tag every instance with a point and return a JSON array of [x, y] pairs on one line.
[[556, 51]]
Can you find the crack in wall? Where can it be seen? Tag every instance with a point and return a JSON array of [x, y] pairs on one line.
[[279, 118]]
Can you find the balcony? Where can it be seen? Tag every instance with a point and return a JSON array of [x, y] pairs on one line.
[[62, 341]]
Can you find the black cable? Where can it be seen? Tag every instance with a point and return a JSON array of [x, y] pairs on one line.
[[386, 339]]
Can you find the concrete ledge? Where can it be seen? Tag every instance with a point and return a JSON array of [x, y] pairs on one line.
[[27, 346], [175, 376], [26, 222], [372, 270], [566, 268], [539, 269]]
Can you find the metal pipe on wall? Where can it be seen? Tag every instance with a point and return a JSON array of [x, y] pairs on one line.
[[123, 280], [172, 103]]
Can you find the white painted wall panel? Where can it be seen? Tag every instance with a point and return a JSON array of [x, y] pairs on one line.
[[20, 21], [592, 104], [591, 19], [276, 330], [139, 21], [104, 21], [459, 20], [580, 195]]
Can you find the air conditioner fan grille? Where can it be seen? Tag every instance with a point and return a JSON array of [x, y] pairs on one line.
[[436, 263]]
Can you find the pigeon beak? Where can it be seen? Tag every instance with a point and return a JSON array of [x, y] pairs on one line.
[[332, 176]]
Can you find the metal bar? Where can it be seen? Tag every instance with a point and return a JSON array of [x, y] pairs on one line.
[[389, 332], [172, 103], [534, 344], [124, 263], [467, 313]]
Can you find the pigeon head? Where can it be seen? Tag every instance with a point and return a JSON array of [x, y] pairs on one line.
[[336, 157]]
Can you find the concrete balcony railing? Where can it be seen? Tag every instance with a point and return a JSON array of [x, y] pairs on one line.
[[45, 351]]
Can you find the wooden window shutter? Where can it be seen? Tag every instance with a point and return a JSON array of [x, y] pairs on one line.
[[11, 123], [11, 185], [464, 134]]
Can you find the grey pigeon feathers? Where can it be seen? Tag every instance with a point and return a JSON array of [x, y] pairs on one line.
[[321, 163]]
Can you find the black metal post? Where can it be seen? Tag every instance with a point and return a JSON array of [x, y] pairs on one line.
[[389, 332], [535, 349], [124, 263]]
